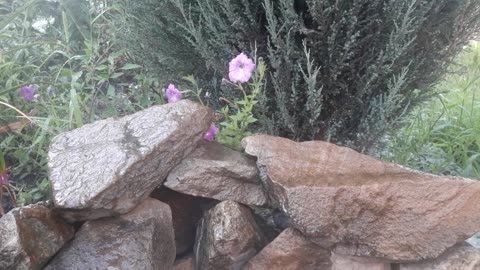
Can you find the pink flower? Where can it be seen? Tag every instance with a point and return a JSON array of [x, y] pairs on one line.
[[240, 69], [173, 94], [211, 133]]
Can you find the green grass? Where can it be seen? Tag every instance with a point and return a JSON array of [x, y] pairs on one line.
[[443, 135]]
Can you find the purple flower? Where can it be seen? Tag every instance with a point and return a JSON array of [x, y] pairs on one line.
[[4, 178], [173, 94], [211, 133], [27, 92], [240, 69]]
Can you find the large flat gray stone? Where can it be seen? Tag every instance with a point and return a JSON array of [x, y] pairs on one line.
[[108, 167]]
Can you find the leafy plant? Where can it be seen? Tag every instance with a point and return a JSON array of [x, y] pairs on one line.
[[239, 114], [35, 194]]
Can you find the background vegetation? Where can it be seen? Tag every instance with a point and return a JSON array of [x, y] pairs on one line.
[[443, 135], [344, 71]]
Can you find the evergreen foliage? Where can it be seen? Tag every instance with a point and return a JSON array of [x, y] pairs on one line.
[[343, 70]]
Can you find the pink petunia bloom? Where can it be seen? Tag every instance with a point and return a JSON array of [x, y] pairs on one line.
[[27, 92], [211, 133], [173, 94], [240, 69]]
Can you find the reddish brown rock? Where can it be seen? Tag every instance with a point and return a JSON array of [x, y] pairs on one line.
[[184, 264], [108, 167], [460, 257], [217, 172], [291, 251], [227, 237], [142, 239], [362, 206], [341, 262], [186, 212], [30, 236]]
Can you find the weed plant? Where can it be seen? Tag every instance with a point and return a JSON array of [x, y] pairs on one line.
[[443, 136]]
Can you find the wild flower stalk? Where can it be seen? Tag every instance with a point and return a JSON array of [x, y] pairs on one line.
[[238, 115], [3, 180]]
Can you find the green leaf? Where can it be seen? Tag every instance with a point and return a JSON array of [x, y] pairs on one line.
[[116, 75], [130, 66], [101, 67], [111, 91]]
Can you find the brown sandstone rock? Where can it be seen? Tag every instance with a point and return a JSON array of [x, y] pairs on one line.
[[227, 238], [363, 206], [341, 262], [291, 251], [460, 257], [142, 239], [217, 172], [110, 166], [186, 212], [30, 236], [184, 264]]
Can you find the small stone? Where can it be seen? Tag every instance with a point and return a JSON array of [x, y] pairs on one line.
[[30, 236], [460, 257], [108, 167], [142, 239], [341, 262], [291, 251], [217, 172], [362, 206], [227, 237]]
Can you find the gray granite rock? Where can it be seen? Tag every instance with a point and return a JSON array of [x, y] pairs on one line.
[[30, 236], [108, 167], [227, 237], [217, 172], [142, 239]]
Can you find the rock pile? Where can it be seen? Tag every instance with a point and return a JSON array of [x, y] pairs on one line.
[[146, 192]]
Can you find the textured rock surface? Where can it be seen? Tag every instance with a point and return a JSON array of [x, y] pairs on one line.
[[475, 240], [186, 212], [142, 239], [362, 206], [110, 166], [291, 251], [30, 236], [217, 172], [459, 257], [184, 264], [227, 237], [358, 263]]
